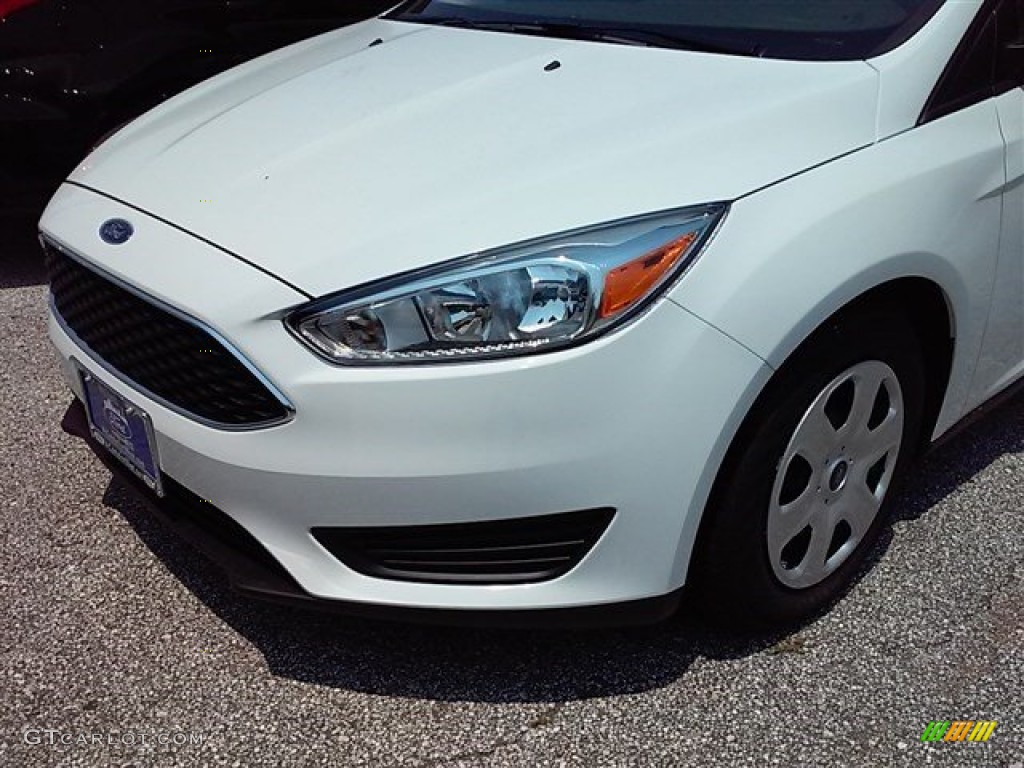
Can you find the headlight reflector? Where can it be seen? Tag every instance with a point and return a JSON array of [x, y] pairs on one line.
[[545, 294]]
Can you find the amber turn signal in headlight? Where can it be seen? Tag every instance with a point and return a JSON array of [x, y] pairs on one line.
[[541, 295]]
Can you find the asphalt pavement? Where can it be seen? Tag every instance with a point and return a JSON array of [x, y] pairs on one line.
[[120, 646]]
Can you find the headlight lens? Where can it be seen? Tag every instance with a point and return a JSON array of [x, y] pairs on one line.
[[545, 294]]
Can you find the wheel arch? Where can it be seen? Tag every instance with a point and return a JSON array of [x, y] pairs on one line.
[[933, 321], [930, 312]]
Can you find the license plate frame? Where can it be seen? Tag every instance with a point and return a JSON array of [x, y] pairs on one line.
[[123, 428]]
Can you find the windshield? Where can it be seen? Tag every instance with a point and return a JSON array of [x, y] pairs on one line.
[[824, 30]]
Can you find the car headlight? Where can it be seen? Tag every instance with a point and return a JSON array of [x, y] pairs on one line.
[[542, 295]]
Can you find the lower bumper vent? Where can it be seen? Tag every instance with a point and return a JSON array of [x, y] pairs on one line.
[[519, 551]]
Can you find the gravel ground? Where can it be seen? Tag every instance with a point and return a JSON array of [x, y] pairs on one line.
[[118, 634]]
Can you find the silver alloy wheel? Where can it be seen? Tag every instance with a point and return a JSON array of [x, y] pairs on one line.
[[834, 474]]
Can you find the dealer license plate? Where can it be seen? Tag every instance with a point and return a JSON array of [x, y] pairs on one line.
[[122, 428]]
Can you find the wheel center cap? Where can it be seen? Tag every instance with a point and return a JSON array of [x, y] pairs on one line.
[[838, 477]]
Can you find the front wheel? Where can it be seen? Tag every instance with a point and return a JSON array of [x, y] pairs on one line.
[[803, 492]]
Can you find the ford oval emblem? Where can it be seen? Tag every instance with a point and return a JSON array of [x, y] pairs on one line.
[[116, 231]]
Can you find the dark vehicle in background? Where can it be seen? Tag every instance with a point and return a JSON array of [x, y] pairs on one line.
[[70, 72]]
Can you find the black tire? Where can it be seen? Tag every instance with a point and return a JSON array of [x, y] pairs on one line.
[[733, 576]]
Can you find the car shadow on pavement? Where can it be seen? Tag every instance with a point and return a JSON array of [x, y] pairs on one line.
[[451, 664], [993, 431], [444, 664], [427, 662]]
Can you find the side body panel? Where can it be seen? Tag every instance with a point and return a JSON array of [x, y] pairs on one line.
[[1001, 361], [924, 203]]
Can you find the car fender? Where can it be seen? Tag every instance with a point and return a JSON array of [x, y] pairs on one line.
[[926, 203]]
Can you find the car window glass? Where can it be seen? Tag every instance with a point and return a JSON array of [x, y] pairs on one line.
[[1010, 52], [791, 29], [970, 74]]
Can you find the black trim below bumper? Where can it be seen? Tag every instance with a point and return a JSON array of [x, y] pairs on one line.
[[253, 572]]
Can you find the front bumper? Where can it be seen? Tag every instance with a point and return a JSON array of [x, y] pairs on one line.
[[637, 421], [252, 572]]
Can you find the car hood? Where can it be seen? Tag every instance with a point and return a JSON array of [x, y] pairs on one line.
[[388, 146]]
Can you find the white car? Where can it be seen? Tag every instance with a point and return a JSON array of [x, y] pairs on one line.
[[530, 311]]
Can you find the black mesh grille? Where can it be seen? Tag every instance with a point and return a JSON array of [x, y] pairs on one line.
[[502, 552], [170, 358]]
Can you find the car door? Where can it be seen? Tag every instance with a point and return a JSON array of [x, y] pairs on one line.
[[989, 64], [1002, 359]]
